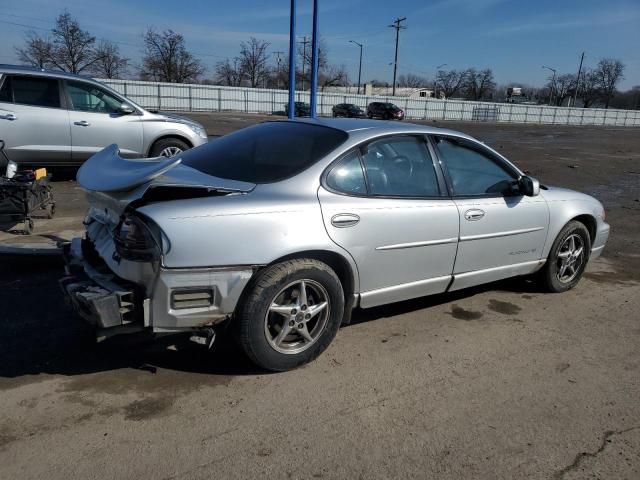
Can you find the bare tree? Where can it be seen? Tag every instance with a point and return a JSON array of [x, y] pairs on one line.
[[166, 58], [478, 84], [228, 73], [37, 51], [589, 89], [334, 76], [305, 57], [253, 61], [73, 48], [629, 100], [563, 87], [449, 82], [109, 63], [411, 80], [609, 73]]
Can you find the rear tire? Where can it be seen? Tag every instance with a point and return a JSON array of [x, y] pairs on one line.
[[168, 147], [567, 259], [275, 302]]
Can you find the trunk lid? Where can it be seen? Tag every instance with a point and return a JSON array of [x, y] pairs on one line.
[[112, 182]]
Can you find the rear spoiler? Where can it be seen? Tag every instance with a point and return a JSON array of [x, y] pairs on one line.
[[107, 171]]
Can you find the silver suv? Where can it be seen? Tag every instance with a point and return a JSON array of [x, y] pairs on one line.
[[55, 118]]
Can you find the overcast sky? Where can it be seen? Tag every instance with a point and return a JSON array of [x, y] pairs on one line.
[[514, 38]]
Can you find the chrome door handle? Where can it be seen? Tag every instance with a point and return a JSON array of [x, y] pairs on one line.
[[343, 220], [8, 116], [474, 214], [82, 123]]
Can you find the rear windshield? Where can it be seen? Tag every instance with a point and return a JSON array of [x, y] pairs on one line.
[[265, 153]]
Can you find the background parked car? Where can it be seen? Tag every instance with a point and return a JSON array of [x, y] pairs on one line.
[[347, 110], [385, 111], [302, 109], [56, 118]]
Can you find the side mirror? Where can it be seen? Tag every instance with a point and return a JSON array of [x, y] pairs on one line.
[[529, 186], [126, 109]]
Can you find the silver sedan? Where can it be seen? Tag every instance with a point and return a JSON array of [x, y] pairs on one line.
[[278, 231]]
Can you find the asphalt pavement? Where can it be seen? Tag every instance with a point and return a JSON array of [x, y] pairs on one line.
[[501, 381]]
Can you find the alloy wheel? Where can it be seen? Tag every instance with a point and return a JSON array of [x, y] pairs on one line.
[[570, 258], [297, 316], [170, 151]]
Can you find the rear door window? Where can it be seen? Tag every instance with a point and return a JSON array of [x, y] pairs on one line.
[[36, 91], [347, 176]]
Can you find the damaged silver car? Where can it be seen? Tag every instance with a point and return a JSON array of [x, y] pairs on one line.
[[278, 231]]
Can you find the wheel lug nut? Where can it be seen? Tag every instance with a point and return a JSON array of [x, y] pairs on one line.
[[292, 323], [304, 307], [307, 316], [294, 311], [300, 326]]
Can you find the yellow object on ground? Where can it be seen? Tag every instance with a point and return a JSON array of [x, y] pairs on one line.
[[40, 173]]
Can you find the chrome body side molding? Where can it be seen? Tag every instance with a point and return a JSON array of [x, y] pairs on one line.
[[426, 243], [500, 234]]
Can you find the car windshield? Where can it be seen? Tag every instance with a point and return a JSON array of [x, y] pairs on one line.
[[265, 153]]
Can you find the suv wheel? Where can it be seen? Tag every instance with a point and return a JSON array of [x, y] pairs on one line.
[[168, 147], [567, 259], [291, 314]]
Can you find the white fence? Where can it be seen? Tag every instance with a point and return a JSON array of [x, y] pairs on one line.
[[210, 98]]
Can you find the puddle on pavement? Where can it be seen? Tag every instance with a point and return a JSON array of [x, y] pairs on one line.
[[147, 408], [506, 308], [463, 314]]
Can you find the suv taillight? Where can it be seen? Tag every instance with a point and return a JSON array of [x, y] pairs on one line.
[[137, 238]]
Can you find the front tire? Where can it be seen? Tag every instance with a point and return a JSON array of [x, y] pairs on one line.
[[168, 147], [291, 314], [567, 259]]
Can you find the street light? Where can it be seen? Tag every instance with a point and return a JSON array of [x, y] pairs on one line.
[[360, 66], [435, 80], [553, 82]]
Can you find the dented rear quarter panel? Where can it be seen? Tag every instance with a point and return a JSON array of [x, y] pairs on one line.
[[241, 229]]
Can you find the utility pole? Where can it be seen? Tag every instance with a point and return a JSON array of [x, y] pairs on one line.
[[278, 60], [304, 43], [553, 83], [292, 61], [315, 52], [575, 94], [397, 24], [360, 66]]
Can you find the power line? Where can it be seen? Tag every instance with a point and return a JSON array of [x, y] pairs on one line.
[[397, 24]]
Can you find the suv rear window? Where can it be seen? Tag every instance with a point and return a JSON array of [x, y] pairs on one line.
[[6, 95], [265, 153], [36, 91]]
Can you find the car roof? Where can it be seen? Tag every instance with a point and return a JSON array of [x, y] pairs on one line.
[[24, 69], [377, 127]]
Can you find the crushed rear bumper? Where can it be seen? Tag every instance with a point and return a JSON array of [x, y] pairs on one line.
[[99, 297]]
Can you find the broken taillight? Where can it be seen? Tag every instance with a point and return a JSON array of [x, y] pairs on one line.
[[137, 238]]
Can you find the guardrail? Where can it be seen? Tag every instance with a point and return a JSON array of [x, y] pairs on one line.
[[212, 98]]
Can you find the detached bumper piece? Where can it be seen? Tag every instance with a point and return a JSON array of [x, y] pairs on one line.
[[101, 298]]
